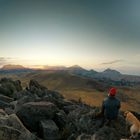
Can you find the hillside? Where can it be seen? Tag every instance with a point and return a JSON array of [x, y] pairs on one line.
[[75, 87], [15, 69], [91, 91], [76, 82]]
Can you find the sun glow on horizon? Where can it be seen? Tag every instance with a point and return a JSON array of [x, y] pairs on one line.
[[71, 32]]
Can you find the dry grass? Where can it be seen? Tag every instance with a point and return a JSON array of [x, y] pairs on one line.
[[95, 98], [72, 87], [91, 97]]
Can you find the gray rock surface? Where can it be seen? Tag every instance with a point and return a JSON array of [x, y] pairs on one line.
[[49, 130], [39, 112]]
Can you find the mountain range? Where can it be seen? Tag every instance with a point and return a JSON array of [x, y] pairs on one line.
[[76, 82], [76, 70]]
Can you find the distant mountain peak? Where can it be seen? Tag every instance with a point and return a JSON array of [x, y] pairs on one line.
[[75, 66], [12, 67], [110, 73], [108, 70]]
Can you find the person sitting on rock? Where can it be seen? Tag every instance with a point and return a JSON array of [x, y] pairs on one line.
[[110, 107]]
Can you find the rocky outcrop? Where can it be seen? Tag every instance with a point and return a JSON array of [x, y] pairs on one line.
[[33, 113], [11, 128], [6, 99], [8, 87], [49, 130], [39, 112]]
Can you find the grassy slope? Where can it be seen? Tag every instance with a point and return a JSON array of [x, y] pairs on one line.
[[73, 87]]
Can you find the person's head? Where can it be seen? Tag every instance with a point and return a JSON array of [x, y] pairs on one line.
[[112, 92]]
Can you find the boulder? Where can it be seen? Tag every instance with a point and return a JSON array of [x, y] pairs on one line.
[[18, 86], [34, 84], [2, 113], [20, 94], [9, 111], [25, 99], [13, 121], [6, 99], [33, 112], [11, 128], [60, 119], [8, 87], [4, 105], [49, 130], [106, 133], [70, 108], [9, 133], [84, 137]]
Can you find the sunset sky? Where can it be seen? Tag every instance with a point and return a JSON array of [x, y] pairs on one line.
[[95, 34]]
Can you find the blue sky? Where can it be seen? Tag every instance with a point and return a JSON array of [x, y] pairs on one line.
[[95, 34]]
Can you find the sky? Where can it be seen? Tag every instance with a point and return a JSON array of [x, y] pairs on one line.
[[95, 34]]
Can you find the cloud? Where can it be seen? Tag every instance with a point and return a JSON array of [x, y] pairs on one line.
[[112, 62], [4, 60]]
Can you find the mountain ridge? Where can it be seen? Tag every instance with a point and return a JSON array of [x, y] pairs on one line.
[[75, 69], [12, 67]]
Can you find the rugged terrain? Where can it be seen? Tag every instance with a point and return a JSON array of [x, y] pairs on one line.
[[92, 91], [36, 113]]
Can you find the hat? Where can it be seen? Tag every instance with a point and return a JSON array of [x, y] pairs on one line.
[[112, 92]]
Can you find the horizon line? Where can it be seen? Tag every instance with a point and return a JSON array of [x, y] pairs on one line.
[[44, 67]]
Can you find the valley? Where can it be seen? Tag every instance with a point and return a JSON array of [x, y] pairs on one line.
[[73, 86]]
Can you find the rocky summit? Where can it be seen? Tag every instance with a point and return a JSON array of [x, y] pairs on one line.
[[37, 113]]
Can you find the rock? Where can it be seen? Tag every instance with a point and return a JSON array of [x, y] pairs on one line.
[[70, 108], [9, 133], [34, 84], [47, 114], [60, 119], [53, 97], [33, 112], [37, 89], [20, 94], [49, 130], [11, 128], [2, 113], [6, 99], [25, 99], [9, 111], [67, 102], [14, 104], [55, 94], [18, 86], [106, 133], [3, 118], [4, 105], [73, 136], [84, 137], [8, 87], [14, 122]]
